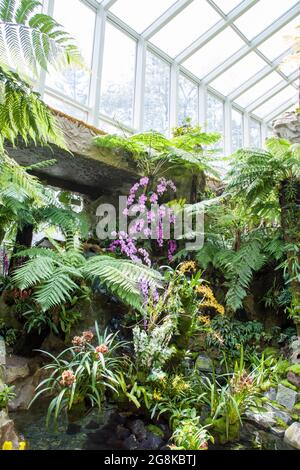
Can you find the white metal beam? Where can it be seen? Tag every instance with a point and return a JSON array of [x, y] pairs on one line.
[[263, 73], [138, 120], [106, 4], [269, 94], [48, 9], [167, 16], [97, 66], [174, 95], [259, 39], [202, 105], [214, 30], [283, 107], [228, 127], [246, 128]]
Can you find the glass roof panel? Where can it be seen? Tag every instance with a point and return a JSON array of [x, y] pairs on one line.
[[227, 5], [214, 52], [259, 89], [277, 100], [288, 67], [262, 15], [238, 73], [139, 14], [186, 27], [279, 42]]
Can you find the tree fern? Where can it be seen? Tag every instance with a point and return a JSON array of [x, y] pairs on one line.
[[29, 38]]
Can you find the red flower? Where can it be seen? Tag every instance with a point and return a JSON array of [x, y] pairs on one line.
[[87, 336], [67, 378], [103, 349]]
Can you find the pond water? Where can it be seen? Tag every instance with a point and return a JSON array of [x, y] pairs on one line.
[[87, 433]]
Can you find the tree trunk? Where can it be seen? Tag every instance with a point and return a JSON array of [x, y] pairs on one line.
[[198, 184], [23, 240], [289, 205]]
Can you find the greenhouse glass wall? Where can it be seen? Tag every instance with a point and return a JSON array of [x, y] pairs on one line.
[[151, 64]]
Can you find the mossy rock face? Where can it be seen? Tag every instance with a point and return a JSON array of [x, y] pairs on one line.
[[286, 383], [156, 430], [265, 386], [220, 432], [295, 369]]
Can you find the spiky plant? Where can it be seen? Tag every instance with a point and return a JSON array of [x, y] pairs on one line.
[[267, 182]]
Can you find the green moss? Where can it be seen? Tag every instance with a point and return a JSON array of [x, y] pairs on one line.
[[265, 386], [281, 423], [295, 417], [295, 369], [282, 367], [286, 383], [155, 430], [223, 435], [297, 406]]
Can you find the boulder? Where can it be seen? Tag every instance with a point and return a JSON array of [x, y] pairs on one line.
[[294, 379], [295, 352], [287, 126], [138, 428], [7, 430], [271, 394], [263, 420], [292, 435], [2, 352], [131, 443], [25, 375], [286, 397], [204, 363], [16, 368]]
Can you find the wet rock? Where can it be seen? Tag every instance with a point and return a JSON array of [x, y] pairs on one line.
[[294, 379], [122, 432], [279, 414], [263, 420], [292, 435], [73, 428], [53, 344], [271, 394], [131, 443], [16, 368], [295, 345], [152, 442], [98, 436], [2, 352], [7, 430], [138, 428], [114, 444], [277, 431], [92, 425], [286, 397], [204, 363]]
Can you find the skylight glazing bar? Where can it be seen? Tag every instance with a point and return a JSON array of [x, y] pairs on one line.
[[216, 29], [259, 76], [286, 105], [106, 4], [167, 16], [259, 39], [276, 89]]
